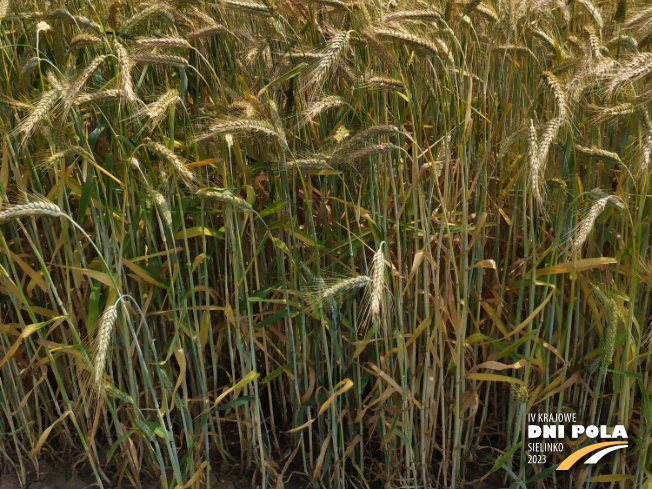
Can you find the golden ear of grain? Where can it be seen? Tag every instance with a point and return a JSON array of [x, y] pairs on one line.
[[361, 138], [248, 7], [159, 59], [380, 83], [225, 196], [330, 59], [170, 157], [315, 163], [593, 11], [156, 111], [82, 40], [102, 340], [584, 228], [50, 160], [317, 285], [130, 24], [430, 15], [602, 114], [320, 106], [638, 67], [102, 97], [78, 83], [549, 135], [208, 31], [126, 84], [242, 126], [323, 294], [416, 43], [40, 113], [371, 150], [534, 164], [598, 153], [31, 209], [4, 8], [377, 284], [644, 156], [558, 92], [162, 42]]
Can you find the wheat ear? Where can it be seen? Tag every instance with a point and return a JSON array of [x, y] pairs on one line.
[[171, 157], [598, 153], [163, 208], [126, 84], [610, 333], [534, 164], [209, 31], [225, 196], [377, 284], [76, 86], [130, 24], [549, 135], [4, 8], [321, 295], [372, 150], [429, 15], [242, 126], [309, 164], [38, 115], [82, 40], [103, 338], [318, 284], [361, 137], [248, 7], [558, 92], [381, 83], [638, 67], [320, 106], [593, 11], [159, 59], [157, 110], [162, 42], [100, 98], [31, 209], [346, 285], [336, 47], [585, 226], [416, 43]]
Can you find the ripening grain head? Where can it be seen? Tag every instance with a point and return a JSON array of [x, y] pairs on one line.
[[377, 284], [336, 47], [534, 164], [31, 209], [558, 92], [163, 208], [102, 341], [126, 84], [171, 158], [595, 209], [157, 110], [225, 196], [325, 293], [39, 114], [637, 67]]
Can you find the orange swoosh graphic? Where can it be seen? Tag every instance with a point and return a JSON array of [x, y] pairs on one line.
[[571, 459]]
